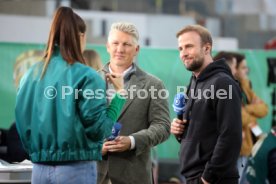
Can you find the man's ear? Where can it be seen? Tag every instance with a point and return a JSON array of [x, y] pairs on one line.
[[137, 49], [107, 47], [207, 48]]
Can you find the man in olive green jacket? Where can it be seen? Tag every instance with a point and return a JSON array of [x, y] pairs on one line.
[[144, 118]]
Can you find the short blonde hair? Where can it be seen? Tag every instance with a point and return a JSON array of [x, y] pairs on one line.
[[125, 27], [204, 34]]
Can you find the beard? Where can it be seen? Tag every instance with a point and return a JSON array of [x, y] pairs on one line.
[[195, 65]]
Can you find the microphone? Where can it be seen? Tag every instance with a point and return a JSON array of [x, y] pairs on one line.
[[115, 131], [179, 105]]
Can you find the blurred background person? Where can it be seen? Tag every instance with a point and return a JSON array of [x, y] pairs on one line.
[[262, 164], [93, 59], [229, 59], [63, 135], [252, 107]]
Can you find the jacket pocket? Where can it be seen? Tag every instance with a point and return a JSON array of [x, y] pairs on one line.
[[207, 147], [189, 154]]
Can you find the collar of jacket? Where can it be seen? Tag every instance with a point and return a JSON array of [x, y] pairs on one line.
[[140, 75], [214, 68], [137, 77]]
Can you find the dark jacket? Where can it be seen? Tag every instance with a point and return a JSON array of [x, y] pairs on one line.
[[272, 166], [211, 145]]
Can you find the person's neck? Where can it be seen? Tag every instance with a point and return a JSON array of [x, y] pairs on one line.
[[118, 69], [207, 60]]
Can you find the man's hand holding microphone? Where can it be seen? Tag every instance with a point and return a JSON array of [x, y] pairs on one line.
[[178, 124], [116, 143]]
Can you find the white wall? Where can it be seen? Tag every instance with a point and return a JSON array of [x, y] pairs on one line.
[[109, 17], [246, 7], [226, 44], [213, 25], [29, 29], [160, 30]]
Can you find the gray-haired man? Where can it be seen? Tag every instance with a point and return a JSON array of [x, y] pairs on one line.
[[145, 120]]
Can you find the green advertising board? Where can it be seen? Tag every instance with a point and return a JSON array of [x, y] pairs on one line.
[[16, 58]]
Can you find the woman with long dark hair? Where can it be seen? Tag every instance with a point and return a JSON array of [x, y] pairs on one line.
[[61, 111]]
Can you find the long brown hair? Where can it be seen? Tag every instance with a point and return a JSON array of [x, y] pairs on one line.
[[65, 32]]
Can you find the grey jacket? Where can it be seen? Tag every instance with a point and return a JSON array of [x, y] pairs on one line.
[[148, 121]]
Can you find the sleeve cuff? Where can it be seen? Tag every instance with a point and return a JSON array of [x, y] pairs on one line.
[[132, 142], [209, 176], [122, 94]]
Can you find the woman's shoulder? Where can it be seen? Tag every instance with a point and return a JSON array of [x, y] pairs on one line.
[[84, 69], [83, 73]]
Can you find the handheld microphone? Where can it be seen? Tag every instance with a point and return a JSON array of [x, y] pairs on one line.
[[179, 105], [115, 131]]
